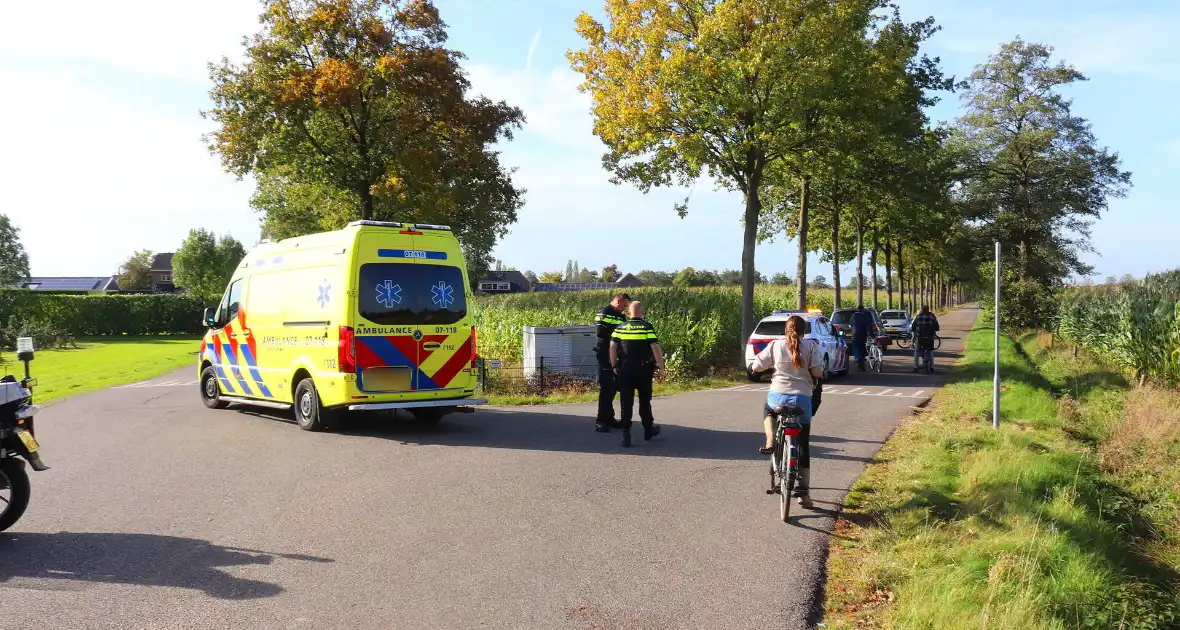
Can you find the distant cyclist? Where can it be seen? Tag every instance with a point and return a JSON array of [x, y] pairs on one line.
[[862, 322], [924, 327], [798, 366]]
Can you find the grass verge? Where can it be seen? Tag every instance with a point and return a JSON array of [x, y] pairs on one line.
[[103, 362], [1065, 517]]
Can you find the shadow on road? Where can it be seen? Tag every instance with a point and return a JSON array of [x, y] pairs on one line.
[[140, 559], [534, 430]]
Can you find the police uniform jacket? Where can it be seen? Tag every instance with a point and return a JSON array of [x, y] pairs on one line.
[[633, 341]]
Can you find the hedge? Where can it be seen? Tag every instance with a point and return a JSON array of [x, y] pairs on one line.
[[102, 315]]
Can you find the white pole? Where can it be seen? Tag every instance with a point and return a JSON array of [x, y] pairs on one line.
[[996, 381]]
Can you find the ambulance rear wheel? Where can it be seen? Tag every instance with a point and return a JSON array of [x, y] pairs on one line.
[[310, 415], [211, 389]]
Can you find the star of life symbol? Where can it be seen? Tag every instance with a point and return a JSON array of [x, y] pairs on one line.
[[389, 294], [442, 294], [325, 297]]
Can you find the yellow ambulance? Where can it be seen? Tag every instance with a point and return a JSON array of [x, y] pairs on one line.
[[371, 317]]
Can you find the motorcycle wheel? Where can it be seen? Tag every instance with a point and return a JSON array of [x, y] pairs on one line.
[[14, 492]]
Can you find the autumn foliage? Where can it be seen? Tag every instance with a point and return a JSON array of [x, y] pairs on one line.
[[360, 102]]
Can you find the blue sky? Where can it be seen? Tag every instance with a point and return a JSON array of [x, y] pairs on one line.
[[101, 152]]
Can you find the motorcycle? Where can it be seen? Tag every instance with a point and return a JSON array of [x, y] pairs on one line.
[[17, 439]]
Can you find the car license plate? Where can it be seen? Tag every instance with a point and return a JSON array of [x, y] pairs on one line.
[[29, 440], [893, 329]]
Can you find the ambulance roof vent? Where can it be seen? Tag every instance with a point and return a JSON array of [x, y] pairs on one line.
[[387, 224], [400, 225]]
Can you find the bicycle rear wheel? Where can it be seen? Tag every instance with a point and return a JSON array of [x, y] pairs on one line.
[[787, 481], [903, 342], [937, 341]]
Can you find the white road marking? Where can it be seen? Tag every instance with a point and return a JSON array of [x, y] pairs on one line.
[[858, 391], [157, 384]]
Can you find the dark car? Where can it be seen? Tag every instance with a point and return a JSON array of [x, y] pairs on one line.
[[842, 317]]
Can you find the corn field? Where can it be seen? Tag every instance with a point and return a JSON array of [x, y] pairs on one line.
[[1136, 325], [698, 328]]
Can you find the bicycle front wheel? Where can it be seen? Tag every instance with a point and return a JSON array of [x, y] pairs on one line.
[[903, 342], [937, 341]]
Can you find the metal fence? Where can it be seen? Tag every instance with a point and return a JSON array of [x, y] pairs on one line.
[[539, 377]]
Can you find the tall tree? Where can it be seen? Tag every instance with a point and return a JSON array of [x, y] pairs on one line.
[[1035, 175], [611, 274], [683, 87], [355, 109], [14, 261], [204, 264], [135, 274]]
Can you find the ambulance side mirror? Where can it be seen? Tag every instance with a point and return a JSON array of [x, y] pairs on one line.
[[210, 319]]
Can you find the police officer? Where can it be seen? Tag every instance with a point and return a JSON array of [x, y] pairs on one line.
[[636, 355], [609, 318]]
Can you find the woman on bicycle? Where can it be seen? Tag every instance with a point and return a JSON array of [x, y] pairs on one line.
[[798, 365]]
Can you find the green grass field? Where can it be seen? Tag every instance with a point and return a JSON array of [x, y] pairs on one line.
[[1066, 517], [103, 362]]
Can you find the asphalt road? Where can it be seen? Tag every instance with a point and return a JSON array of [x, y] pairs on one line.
[[159, 513]]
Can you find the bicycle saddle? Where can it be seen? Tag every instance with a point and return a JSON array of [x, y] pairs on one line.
[[788, 410]]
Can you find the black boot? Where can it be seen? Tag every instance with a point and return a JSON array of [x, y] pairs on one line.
[[627, 437], [602, 427], [650, 432]]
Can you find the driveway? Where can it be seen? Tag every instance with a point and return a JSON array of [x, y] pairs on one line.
[[159, 513]]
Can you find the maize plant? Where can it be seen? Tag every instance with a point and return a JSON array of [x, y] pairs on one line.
[[701, 327], [1136, 325]]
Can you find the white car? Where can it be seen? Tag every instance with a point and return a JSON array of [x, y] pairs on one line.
[[816, 326], [895, 322]]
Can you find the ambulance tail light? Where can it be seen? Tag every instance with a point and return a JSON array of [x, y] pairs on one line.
[[474, 347], [347, 354]]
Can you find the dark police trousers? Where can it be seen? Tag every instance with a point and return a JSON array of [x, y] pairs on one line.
[[634, 380], [606, 388]]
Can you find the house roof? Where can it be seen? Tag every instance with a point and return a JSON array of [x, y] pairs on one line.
[[162, 262], [515, 277], [629, 280], [72, 283]]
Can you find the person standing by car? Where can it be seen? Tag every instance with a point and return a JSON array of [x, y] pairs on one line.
[[608, 319], [798, 367], [862, 322], [636, 356], [924, 326]]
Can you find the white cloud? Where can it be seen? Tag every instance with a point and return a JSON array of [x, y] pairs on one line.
[[89, 178], [528, 61], [1127, 42], [172, 39], [554, 109]]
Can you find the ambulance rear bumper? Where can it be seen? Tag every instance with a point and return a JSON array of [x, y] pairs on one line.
[[418, 404]]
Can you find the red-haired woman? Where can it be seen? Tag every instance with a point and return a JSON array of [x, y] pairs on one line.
[[798, 365]]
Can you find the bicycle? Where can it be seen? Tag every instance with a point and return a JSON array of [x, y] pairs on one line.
[[784, 470], [905, 340], [926, 362], [875, 355]]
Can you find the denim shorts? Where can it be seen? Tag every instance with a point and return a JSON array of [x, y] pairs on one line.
[[774, 399]]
